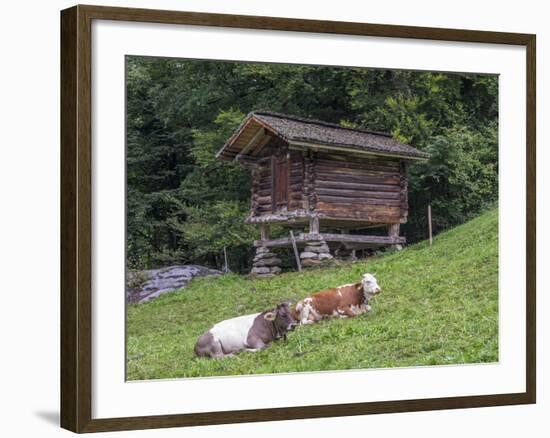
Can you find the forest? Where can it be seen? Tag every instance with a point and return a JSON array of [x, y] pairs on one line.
[[184, 205]]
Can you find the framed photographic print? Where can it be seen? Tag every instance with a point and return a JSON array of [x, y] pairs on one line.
[[270, 218]]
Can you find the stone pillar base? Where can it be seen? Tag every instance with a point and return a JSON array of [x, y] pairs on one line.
[[315, 253], [265, 263]]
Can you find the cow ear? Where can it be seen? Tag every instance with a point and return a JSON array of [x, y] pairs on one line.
[[270, 316]]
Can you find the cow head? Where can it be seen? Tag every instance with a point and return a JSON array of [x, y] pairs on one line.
[[282, 319], [370, 286]]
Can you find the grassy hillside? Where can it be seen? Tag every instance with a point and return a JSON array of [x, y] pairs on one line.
[[439, 305]]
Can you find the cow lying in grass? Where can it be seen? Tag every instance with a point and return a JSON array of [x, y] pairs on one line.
[[344, 301], [249, 332]]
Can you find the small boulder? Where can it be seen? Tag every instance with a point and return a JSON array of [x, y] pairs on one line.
[[266, 255], [268, 262], [319, 248], [260, 270], [315, 243], [143, 286]]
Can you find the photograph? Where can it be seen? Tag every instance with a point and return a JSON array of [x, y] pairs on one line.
[[285, 218]]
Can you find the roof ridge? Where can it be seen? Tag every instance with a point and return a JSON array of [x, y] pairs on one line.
[[318, 122]]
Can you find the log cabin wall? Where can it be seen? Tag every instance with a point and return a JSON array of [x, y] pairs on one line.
[[353, 187], [296, 187], [275, 157], [261, 188]]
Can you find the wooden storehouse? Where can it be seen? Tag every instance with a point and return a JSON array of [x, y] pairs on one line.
[[329, 183]]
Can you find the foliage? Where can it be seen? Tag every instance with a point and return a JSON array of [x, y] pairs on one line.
[[439, 305], [460, 179], [180, 112], [214, 226]]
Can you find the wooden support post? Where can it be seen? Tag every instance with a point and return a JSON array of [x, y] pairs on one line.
[[314, 225], [393, 230], [295, 248], [264, 232], [430, 222], [226, 265]]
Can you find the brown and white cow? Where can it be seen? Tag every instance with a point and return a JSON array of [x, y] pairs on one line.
[[344, 301]]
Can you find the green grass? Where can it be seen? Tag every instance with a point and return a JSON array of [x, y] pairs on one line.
[[439, 305]]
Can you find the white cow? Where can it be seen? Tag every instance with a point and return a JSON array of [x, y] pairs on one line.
[[249, 332]]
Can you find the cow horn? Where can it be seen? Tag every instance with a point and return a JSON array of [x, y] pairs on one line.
[[270, 316]]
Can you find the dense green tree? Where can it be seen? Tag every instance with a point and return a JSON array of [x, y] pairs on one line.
[[459, 181]]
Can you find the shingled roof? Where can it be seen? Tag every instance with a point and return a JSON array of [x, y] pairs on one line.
[[306, 133]]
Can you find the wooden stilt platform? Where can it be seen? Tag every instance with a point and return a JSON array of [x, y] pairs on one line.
[[354, 241]]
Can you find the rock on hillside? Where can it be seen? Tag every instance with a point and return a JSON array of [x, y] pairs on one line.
[[143, 286]]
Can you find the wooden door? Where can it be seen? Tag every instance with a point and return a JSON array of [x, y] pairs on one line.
[[280, 183]]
